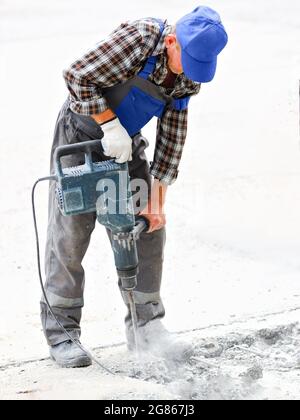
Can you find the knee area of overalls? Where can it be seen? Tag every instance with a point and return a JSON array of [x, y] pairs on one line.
[[156, 236]]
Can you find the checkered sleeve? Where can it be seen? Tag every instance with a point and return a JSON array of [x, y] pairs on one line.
[[170, 140], [112, 61]]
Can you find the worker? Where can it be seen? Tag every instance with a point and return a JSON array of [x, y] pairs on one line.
[[145, 68]]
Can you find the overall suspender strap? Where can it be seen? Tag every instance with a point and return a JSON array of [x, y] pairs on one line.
[[149, 68], [181, 104], [151, 62]]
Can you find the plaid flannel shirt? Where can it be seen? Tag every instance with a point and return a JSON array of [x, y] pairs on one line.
[[119, 58]]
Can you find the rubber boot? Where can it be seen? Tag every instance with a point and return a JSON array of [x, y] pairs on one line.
[[68, 355]]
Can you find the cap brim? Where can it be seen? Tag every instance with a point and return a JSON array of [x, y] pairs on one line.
[[198, 71]]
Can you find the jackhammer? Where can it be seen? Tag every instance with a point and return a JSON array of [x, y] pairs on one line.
[[104, 188]]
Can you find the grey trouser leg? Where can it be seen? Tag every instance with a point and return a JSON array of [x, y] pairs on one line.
[[67, 241], [149, 305], [69, 237]]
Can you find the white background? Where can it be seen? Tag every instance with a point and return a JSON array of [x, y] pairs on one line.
[[233, 215]]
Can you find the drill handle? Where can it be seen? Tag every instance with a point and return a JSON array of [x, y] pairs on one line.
[[141, 225], [86, 147]]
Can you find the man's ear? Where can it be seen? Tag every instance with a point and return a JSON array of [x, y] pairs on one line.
[[170, 40]]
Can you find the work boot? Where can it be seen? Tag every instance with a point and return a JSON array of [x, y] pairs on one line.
[[157, 340], [68, 355]]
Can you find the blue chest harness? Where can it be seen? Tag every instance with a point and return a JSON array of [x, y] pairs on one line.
[[138, 100]]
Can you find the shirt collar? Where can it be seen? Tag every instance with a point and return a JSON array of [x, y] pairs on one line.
[[160, 47]]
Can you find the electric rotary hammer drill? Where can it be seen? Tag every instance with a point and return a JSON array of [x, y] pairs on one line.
[[104, 188]]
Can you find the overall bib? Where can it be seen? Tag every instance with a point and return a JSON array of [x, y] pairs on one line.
[[135, 102]]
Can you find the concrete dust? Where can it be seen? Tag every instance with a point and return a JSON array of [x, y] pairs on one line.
[[246, 365], [227, 367]]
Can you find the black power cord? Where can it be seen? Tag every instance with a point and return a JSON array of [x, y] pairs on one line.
[[53, 178]]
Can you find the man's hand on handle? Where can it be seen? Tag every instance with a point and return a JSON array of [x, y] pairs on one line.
[[116, 141], [154, 211]]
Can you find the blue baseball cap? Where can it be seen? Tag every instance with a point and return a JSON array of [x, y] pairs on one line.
[[201, 37]]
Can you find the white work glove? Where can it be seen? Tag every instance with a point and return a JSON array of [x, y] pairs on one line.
[[116, 141]]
